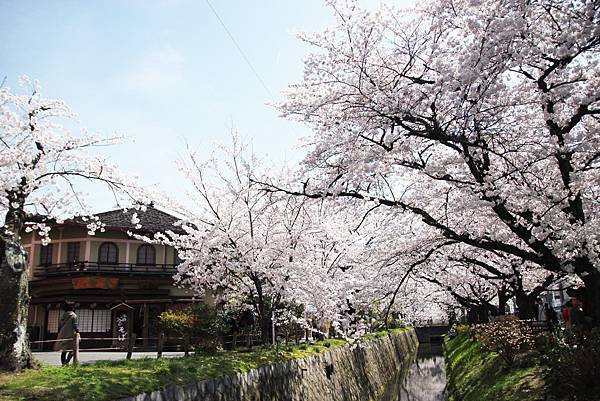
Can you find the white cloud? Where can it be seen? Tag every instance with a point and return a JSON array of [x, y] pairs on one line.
[[158, 70]]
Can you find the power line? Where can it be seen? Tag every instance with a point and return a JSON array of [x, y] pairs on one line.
[[247, 60], [264, 85]]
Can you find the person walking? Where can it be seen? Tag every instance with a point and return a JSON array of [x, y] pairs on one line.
[[541, 311], [566, 314], [66, 332]]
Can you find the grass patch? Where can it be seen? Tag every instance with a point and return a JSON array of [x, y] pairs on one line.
[[108, 380], [477, 375]]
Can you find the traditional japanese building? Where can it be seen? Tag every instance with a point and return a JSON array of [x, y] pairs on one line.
[[119, 284]]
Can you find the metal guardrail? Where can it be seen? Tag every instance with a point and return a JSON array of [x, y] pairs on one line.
[[84, 268]]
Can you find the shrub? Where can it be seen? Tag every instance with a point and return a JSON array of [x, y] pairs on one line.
[[574, 366], [508, 338], [396, 324], [288, 317], [179, 321], [202, 323], [462, 329]]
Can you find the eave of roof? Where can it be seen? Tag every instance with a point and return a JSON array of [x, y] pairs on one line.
[[152, 220]]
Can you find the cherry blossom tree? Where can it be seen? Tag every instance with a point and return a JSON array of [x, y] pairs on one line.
[[245, 244], [484, 281], [340, 262], [480, 118], [42, 166], [368, 262], [239, 242]]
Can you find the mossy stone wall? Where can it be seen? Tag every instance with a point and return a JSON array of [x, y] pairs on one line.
[[358, 372]]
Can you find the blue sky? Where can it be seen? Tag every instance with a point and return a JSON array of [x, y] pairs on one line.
[[165, 72]]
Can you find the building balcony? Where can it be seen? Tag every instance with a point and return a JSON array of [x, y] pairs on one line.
[[76, 269]]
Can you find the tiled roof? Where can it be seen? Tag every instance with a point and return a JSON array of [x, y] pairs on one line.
[[151, 220]]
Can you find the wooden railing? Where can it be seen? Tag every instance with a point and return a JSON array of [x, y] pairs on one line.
[[84, 268], [431, 323], [130, 344]]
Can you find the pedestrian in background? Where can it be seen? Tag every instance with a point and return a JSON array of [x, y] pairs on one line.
[[578, 322], [66, 332], [566, 314], [541, 310], [551, 316]]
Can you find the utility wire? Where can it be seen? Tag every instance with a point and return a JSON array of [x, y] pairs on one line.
[[247, 60], [262, 82]]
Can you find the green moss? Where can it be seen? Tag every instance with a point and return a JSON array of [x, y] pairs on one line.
[[106, 380], [378, 334], [478, 375]]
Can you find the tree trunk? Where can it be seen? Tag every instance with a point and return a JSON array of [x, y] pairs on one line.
[[478, 314], [266, 330], [264, 318], [591, 299], [526, 305], [505, 293], [15, 353], [502, 301], [263, 315]]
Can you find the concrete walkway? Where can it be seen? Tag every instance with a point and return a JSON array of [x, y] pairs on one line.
[[53, 358]]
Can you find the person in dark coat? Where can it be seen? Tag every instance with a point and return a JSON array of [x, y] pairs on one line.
[[579, 324], [66, 331], [551, 316], [577, 316]]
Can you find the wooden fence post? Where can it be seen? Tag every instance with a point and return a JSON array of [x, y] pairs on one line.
[[76, 350], [131, 345], [161, 339], [186, 345]]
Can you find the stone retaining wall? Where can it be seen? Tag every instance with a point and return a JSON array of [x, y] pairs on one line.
[[352, 373]]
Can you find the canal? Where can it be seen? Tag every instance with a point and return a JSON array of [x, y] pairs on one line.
[[424, 380]]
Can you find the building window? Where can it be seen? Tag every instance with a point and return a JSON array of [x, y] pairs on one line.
[[93, 320], [102, 320], [108, 253], [85, 319], [53, 320], [146, 255], [72, 252], [45, 255]]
